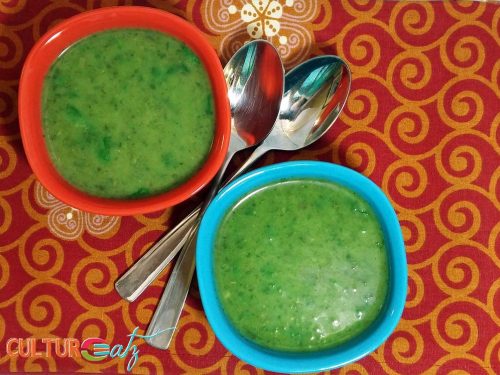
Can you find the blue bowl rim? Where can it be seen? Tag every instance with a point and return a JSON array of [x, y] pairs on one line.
[[307, 361]]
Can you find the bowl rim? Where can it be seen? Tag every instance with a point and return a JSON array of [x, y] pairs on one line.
[[54, 42], [323, 360]]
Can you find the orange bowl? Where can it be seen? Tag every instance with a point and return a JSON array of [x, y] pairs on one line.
[[47, 50]]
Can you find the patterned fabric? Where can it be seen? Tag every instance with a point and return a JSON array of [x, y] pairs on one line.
[[422, 122]]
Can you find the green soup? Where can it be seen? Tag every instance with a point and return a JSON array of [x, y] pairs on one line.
[[301, 265], [127, 113]]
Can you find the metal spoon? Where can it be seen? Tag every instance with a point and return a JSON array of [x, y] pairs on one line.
[[337, 79], [255, 78], [315, 93]]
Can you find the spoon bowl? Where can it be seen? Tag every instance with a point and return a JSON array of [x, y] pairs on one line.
[[254, 78], [315, 94]]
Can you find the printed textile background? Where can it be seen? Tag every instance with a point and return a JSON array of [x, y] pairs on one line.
[[422, 122]]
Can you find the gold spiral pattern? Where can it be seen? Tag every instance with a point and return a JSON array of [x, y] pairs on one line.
[[416, 19], [361, 108], [469, 8], [408, 73], [6, 216], [41, 364], [412, 131], [38, 313], [8, 159], [4, 272], [94, 276], [361, 157], [416, 290], [364, 53], [354, 369], [8, 106], [148, 364], [455, 274], [463, 164], [457, 217], [11, 48], [463, 109], [139, 314], [2, 328], [407, 344], [414, 232], [460, 332], [362, 8], [405, 179], [43, 258], [421, 121], [92, 324], [468, 55], [12, 7]]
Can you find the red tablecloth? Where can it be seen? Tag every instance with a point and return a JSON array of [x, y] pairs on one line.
[[422, 122]]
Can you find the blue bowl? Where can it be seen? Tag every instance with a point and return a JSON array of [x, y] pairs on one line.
[[323, 360]]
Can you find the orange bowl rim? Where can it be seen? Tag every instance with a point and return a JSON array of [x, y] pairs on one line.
[[54, 42]]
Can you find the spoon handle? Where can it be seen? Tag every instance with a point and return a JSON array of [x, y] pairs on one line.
[[166, 316], [164, 322], [167, 313], [138, 277], [144, 271]]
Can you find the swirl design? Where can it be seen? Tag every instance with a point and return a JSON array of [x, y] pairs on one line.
[[2, 327], [461, 163], [40, 365], [408, 129], [473, 364], [416, 290], [421, 121], [362, 8], [410, 72], [461, 106], [139, 314], [456, 331], [457, 216], [406, 345], [41, 257], [197, 342], [413, 22], [148, 364], [406, 180], [11, 7], [467, 53], [457, 270], [11, 49], [471, 9], [361, 50], [94, 276], [8, 105], [354, 369], [92, 324], [5, 216], [39, 311], [361, 108], [4, 272]]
